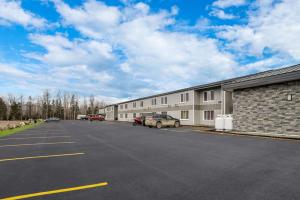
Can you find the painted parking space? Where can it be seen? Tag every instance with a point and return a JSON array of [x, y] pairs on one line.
[[38, 137], [39, 152], [40, 156], [35, 144], [51, 192]]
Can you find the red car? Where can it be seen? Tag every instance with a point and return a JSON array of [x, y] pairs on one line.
[[96, 117], [137, 121]]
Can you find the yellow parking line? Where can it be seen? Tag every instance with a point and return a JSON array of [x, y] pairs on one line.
[[34, 138], [36, 157], [57, 191], [37, 134], [42, 143]]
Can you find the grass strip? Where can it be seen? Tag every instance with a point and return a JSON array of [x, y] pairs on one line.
[[16, 130]]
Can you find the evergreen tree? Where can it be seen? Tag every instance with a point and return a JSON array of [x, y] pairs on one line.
[[15, 111], [3, 110]]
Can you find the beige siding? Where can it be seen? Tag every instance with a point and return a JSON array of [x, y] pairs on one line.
[[195, 106], [210, 105], [173, 107]]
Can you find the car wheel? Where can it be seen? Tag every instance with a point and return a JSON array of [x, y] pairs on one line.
[[158, 125], [177, 124]]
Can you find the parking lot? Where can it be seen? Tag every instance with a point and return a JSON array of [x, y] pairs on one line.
[[112, 160]]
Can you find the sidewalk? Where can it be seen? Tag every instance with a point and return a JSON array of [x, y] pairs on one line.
[[258, 134]]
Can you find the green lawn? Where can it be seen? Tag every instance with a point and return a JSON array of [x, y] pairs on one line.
[[16, 130]]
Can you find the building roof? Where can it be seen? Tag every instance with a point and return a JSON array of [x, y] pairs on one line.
[[199, 87], [264, 78], [252, 80]]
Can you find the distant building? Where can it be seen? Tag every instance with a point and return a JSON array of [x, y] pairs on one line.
[[111, 112]]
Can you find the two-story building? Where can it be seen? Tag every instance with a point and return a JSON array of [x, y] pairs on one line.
[[197, 105], [264, 102]]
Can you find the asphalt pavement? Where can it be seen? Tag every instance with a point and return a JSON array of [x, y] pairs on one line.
[[117, 161]]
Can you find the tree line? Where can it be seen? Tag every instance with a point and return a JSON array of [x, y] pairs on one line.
[[64, 105]]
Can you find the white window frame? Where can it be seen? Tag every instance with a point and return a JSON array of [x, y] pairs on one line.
[[209, 95], [212, 91], [153, 102], [184, 99], [210, 111], [188, 115], [164, 101]]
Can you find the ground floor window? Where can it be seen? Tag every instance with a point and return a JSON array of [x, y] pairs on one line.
[[164, 113], [184, 114], [126, 115], [209, 115], [134, 115]]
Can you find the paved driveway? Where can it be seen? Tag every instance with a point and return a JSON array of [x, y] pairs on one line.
[[142, 163]]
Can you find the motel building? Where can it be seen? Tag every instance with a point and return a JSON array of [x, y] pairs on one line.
[[264, 102]]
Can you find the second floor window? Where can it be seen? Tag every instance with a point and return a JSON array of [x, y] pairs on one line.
[[141, 104], [164, 100], [153, 101], [121, 106], [184, 97], [126, 106], [134, 104], [209, 96]]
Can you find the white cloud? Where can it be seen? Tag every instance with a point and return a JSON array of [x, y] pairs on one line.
[[125, 68], [151, 50], [63, 52], [12, 12], [93, 19], [81, 73], [272, 27], [10, 70], [228, 3], [221, 14]]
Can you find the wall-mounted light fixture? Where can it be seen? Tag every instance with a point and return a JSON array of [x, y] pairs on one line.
[[290, 97]]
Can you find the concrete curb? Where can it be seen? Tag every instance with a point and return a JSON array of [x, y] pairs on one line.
[[264, 135]]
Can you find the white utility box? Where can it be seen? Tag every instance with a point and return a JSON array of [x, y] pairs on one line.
[[228, 122], [219, 123], [223, 122]]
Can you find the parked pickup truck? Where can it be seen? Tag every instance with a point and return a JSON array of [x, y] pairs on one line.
[[96, 117]]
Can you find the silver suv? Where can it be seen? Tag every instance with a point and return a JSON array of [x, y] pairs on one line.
[[160, 121]]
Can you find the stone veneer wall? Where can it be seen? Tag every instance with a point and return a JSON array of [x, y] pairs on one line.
[[266, 109]]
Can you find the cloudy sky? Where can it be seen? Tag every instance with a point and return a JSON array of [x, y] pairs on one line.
[[123, 49]]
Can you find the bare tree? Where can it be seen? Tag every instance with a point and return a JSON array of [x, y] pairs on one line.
[[92, 100]]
